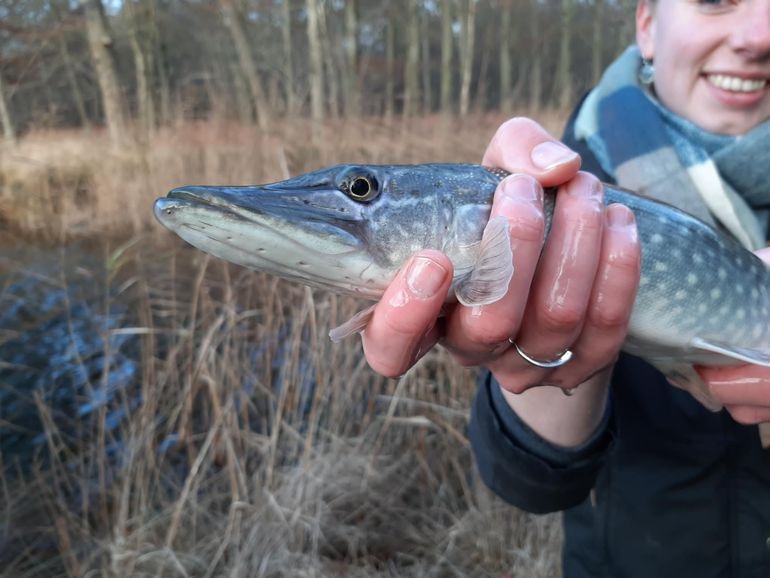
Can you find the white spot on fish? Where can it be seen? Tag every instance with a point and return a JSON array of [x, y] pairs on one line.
[[739, 289], [722, 273], [716, 294], [643, 281], [702, 308], [656, 238], [754, 292], [660, 266], [692, 279], [757, 332], [741, 314], [681, 294], [697, 258]]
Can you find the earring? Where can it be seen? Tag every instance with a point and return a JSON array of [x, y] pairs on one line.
[[647, 72]]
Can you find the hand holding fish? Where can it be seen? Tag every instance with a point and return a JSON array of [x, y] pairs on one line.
[[575, 292], [744, 390]]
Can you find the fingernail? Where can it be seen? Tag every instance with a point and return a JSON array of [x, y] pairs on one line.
[[521, 187], [425, 277], [550, 154], [619, 217]]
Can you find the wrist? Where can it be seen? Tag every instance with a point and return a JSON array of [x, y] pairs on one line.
[[566, 421]]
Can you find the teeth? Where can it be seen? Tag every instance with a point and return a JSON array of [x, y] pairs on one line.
[[735, 84]]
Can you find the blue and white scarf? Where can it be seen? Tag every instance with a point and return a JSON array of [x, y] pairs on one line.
[[647, 148]]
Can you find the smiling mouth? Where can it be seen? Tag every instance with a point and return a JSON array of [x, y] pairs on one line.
[[736, 84]]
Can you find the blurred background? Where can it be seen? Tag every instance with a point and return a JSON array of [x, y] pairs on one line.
[[167, 414]]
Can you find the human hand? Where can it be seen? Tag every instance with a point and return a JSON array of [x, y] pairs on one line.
[[576, 292], [744, 390]]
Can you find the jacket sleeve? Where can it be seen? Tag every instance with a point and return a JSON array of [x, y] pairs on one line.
[[523, 468], [516, 463]]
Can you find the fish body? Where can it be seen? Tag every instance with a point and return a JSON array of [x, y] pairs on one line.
[[702, 299]]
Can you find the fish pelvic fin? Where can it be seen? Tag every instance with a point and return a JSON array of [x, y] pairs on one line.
[[352, 326], [745, 354], [488, 280]]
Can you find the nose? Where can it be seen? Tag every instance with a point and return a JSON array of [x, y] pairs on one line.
[[752, 35]]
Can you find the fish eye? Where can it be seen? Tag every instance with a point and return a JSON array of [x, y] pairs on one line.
[[361, 187]]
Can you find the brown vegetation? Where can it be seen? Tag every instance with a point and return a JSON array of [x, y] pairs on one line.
[[259, 448]]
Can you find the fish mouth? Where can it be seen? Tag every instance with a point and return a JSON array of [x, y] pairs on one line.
[[286, 210]]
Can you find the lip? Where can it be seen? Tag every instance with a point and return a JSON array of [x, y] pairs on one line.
[[735, 99]]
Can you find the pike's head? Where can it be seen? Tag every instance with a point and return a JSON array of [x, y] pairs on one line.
[[345, 228]]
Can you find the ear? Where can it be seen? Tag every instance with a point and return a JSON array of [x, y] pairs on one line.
[[645, 28]]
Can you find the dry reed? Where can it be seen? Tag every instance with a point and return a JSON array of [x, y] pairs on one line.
[[247, 444]]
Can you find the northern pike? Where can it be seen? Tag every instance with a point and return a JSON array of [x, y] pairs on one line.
[[702, 298]]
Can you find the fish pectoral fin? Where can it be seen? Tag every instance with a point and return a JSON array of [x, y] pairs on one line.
[[488, 280], [747, 354], [355, 324], [685, 377]]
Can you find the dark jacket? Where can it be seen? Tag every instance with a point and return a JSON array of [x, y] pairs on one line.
[[666, 489]]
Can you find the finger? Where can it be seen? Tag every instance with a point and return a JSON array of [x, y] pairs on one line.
[[612, 300], [739, 385], [562, 286], [749, 414], [476, 333], [521, 145], [403, 319]]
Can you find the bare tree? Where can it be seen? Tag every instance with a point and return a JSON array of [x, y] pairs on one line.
[[246, 62], [100, 44], [596, 41], [563, 85], [352, 98], [316, 64], [447, 47], [506, 74], [411, 68], [288, 56], [467, 40], [142, 66]]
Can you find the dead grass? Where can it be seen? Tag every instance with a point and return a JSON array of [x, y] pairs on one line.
[[251, 445]]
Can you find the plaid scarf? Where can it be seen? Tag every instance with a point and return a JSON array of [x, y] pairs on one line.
[[647, 148]]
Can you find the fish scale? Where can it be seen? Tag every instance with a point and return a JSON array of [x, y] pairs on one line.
[[702, 298]]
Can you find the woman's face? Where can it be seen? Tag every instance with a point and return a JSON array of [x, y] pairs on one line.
[[712, 59]]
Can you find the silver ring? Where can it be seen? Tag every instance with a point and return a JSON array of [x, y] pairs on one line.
[[551, 364]]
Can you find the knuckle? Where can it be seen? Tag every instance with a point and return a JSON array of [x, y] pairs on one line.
[[608, 317], [561, 317], [386, 367], [528, 224]]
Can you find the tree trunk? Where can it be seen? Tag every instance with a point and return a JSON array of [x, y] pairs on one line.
[[412, 64], [350, 68], [536, 66], [390, 58], [316, 65], [246, 62], [288, 56], [142, 68], [467, 38], [330, 63], [564, 68], [100, 44], [158, 52], [596, 41], [446, 57], [60, 9], [506, 82], [425, 63], [9, 131]]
